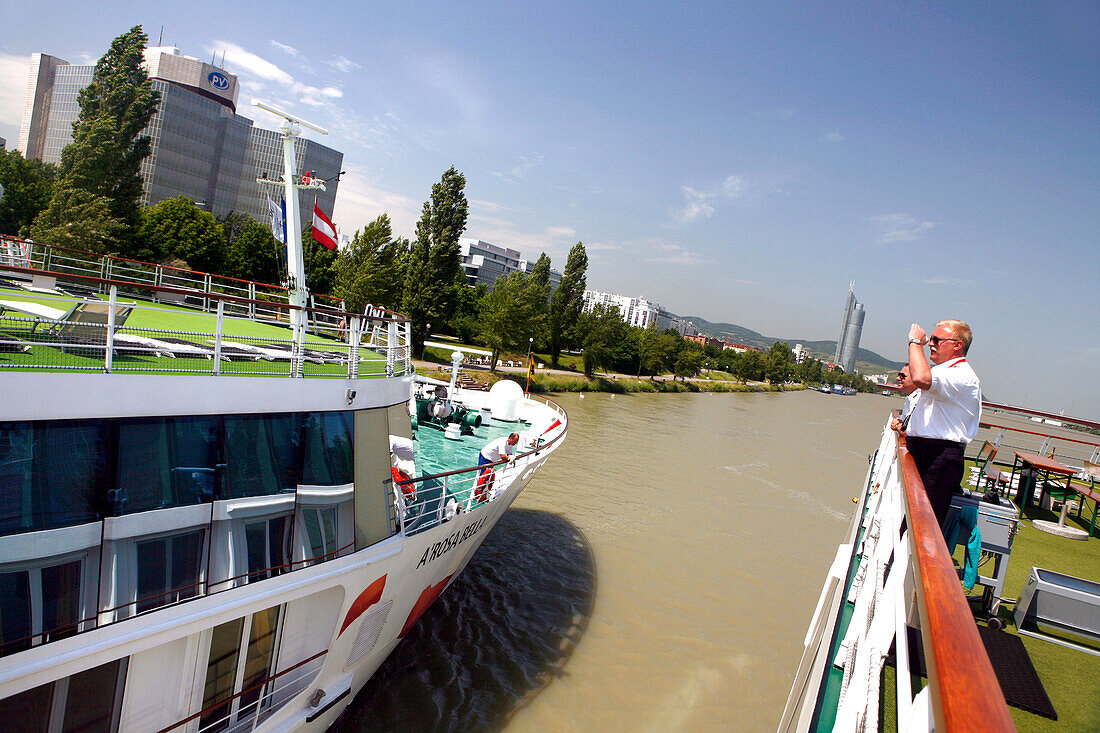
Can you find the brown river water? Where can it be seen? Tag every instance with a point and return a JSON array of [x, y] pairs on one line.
[[658, 574]]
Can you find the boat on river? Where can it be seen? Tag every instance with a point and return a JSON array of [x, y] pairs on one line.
[[215, 514]]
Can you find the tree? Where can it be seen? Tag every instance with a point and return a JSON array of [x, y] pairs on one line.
[[253, 254], [104, 158], [178, 229], [537, 290], [507, 318], [603, 332], [777, 363], [77, 219], [28, 186], [369, 270], [434, 271], [567, 302], [320, 262], [233, 225], [689, 361]]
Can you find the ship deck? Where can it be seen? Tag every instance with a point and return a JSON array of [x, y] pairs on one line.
[[58, 330]]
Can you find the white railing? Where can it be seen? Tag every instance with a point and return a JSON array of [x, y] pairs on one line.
[[88, 334], [427, 501], [892, 580]]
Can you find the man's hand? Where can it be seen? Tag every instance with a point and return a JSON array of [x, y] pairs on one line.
[[916, 333]]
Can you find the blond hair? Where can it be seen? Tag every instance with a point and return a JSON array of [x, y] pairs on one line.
[[960, 330]]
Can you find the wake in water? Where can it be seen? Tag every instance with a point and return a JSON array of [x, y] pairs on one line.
[[493, 640]]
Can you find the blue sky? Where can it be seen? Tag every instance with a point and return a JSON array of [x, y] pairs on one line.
[[740, 162]]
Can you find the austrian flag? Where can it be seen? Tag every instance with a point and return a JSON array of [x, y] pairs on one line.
[[323, 230]]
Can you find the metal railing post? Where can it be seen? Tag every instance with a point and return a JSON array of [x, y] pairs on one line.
[[391, 347], [110, 343], [218, 339], [353, 348]]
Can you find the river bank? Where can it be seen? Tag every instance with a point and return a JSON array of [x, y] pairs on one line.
[[561, 381]]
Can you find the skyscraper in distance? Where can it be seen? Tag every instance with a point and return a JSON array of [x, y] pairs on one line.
[[847, 346]]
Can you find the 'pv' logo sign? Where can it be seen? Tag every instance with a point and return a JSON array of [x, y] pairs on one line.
[[218, 81]]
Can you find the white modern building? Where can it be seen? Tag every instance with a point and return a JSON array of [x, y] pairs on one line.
[[485, 263], [201, 147], [639, 312]]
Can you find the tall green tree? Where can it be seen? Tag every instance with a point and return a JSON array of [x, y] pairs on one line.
[[778, 363], [28, 186], [178, 229], [77, 219], [320, 262], [537, 290], [689, 361], [507, 316], [604, 332], [567, 302], [253, 254], [369, 270], [434, 271], [104, 158]]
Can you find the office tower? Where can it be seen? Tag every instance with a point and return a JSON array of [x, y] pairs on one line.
[[201, 147], [847, 346]]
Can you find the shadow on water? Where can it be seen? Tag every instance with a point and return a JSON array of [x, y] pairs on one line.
[[493, 640]]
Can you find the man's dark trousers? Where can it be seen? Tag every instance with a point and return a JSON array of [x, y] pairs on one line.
[[940, 464]]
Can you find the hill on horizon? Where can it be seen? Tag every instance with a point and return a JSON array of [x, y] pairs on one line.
[[867, 361]]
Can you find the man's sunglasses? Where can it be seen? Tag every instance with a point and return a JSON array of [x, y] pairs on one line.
[[935, 340]]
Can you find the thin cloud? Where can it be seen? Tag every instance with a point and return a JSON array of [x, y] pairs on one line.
[[831, 137], [948, 282], [260, 76], [674, 254], [901, 227], [249, 63], [288, 49], [518, 173], [359, 201], [342, 64], [704, 203]]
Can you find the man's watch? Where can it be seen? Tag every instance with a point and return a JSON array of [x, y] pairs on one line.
[[916, 341]]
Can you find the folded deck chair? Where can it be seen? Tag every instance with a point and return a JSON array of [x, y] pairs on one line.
[[85, 326]]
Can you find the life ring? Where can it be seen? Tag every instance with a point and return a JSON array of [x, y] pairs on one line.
[[484, 484], [409, 489]]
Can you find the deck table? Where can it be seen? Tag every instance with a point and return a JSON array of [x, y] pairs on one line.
[[1033, 464]]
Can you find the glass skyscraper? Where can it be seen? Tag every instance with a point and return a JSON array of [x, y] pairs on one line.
[[847, 346], [201, 147]]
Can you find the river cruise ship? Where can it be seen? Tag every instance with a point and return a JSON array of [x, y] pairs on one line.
[[213, 520]]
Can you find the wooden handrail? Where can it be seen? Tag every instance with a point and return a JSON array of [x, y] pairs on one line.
[[965, 692], [1043, 435]]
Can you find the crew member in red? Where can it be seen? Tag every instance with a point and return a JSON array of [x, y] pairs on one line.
[[945, 417]]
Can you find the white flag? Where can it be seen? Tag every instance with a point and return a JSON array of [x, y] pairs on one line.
[[278, 224]]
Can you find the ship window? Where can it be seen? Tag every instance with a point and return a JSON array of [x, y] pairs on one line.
[[327, 449], [165, 463], [268, 543], [86, 702], [169, 569], [320, 524], [242, 657], [261, 455], [39, 604], [53, 474]]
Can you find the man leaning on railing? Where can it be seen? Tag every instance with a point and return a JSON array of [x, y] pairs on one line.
[[945, 418]]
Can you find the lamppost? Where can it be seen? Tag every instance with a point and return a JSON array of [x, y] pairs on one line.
[[530, 345], [427, 334]]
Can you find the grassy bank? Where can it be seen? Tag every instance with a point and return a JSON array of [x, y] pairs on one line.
[[542, 383]]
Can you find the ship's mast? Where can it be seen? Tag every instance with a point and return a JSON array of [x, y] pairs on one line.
[[295, 257]]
